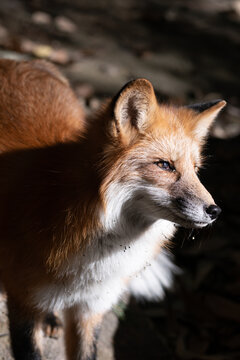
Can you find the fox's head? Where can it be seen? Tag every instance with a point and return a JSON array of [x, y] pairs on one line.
[[153, 157]]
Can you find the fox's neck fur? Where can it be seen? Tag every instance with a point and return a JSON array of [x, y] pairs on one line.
[[106, 213]]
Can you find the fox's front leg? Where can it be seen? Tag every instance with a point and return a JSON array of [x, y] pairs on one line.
[[81, 333], [23, 326], [52, 325]]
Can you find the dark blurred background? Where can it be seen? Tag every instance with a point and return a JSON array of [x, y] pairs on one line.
[[190, 51]]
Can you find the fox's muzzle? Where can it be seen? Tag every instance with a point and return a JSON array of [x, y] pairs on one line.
[[195, 211]]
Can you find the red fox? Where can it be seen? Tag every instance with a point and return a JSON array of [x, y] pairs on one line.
[[87, 205]]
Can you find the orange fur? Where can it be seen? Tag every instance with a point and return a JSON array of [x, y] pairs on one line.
[[32, 95]]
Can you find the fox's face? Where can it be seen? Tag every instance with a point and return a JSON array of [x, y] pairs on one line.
[[156, 159]]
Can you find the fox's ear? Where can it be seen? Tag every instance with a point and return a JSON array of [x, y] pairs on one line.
[[134, 105], [206, 113]]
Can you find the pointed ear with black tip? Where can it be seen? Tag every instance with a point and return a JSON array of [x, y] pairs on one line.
[[134, 107], [205, 115]]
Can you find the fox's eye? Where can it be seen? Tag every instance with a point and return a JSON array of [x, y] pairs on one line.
[[165, 165]]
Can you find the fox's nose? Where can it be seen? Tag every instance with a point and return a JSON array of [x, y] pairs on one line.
[[213, 211]]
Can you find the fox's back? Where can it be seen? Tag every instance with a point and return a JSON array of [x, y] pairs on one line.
[[37, 106]]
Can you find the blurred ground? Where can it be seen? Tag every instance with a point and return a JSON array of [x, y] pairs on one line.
[[191, 52]]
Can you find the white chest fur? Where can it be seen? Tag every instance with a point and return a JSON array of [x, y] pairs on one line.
[[104, 272]]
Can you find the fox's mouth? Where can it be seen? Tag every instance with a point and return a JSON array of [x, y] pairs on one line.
[[192, 225], [188, 223]]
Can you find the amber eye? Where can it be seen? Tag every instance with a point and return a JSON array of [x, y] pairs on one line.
[[165, 165]]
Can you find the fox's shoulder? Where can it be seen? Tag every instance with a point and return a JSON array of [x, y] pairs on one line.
[[37, 106]]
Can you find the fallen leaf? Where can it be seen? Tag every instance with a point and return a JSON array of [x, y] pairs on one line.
[[59, 56], [42, 51], [64, 24], [41, 18]]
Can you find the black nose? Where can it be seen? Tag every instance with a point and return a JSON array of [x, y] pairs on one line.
[[213, 211]]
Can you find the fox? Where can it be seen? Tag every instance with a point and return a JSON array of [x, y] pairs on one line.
[[90, 204]]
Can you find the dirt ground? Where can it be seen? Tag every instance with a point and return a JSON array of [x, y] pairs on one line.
[[190, 51]]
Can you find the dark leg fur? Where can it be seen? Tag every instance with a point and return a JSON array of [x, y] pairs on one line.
[[95, 342], [22, 334], [52, 325], [93, 356]]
